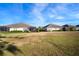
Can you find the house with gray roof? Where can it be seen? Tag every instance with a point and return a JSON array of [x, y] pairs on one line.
[[52, 27], [77, 27], [18, 27]]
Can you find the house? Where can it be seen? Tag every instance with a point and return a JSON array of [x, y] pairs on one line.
[[19, 27], [52, 27], [77, 27], [68, 27]]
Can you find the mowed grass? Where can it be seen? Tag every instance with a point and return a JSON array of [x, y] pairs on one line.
[[45, 43]]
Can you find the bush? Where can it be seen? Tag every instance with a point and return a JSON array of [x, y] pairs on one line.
[[20, 31], [27, 31], [16, 31]]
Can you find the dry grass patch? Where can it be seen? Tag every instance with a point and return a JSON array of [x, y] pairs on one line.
[[46, 43]]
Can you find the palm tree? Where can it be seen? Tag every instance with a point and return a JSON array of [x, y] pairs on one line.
[[6, 46]]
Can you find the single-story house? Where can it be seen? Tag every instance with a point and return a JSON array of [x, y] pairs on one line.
[[52, 27], [67, 27], [19, 27], [77, 27]]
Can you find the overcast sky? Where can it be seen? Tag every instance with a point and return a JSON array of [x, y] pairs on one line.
[[39, 14]]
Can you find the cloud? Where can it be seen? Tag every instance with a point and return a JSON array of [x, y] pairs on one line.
[[60, 17], [52, 15], [63, 12], [56, 16], [76, 15], [60, 9], [59, 13], [40, 6], [37, 12]]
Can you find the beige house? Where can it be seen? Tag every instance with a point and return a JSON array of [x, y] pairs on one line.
[[19, 27], [77, 27], [52, 27]]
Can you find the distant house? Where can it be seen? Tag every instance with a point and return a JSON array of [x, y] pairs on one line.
[[52, 27], [68, 27], [77, 27], [19, 27]]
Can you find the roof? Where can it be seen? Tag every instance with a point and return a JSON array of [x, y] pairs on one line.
[[66, 25], [69, 25], [52, 26], [77, 25], [18, 25]]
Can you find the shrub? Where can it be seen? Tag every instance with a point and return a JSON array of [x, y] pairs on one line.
[[27, 31], [16, 31]]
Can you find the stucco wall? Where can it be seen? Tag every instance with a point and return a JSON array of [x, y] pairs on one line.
[[18, 29], [52, 29], [77, 28]]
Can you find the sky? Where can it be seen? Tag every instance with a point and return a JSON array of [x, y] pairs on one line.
[[39, 14]]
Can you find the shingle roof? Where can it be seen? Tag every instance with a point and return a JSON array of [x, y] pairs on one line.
[[18, 25], [52, 26], [77, 25]]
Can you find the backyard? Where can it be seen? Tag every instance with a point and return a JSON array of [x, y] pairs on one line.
[[44, 43]]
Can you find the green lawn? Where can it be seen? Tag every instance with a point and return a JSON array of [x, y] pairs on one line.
[[45, 43]]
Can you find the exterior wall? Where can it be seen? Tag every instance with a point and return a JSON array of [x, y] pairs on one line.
[[16, 29], [52, 29], [77, 28]]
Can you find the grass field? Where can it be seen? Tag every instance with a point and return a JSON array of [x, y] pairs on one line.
[[44, 43]]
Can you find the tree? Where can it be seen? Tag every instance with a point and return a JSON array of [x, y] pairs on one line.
[[65, 27], [68, 27], [72, 28], [40, 29]]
